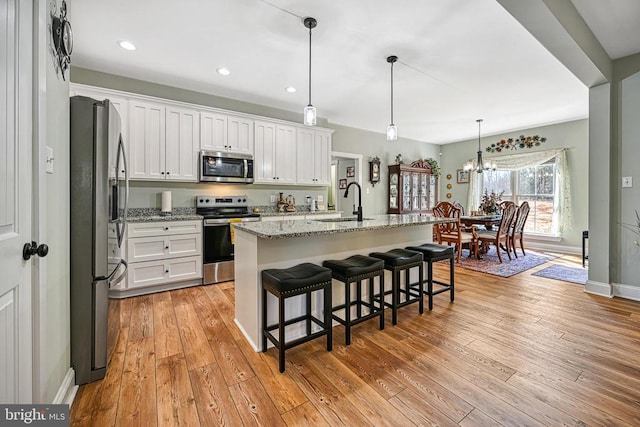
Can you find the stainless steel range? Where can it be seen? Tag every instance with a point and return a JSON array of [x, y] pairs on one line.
[[219, 213]]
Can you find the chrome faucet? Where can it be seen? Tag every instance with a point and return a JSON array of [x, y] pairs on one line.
[[357, 212]]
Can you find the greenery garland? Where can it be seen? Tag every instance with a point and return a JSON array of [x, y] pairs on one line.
[[435, 168]]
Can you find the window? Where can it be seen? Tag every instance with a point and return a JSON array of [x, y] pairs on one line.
[[536, 185]]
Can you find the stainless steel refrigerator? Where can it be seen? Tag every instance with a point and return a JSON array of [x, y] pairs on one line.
[[99, 192]]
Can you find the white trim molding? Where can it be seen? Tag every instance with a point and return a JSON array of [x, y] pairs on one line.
[[67, 390], [598, 288], [626, 291]]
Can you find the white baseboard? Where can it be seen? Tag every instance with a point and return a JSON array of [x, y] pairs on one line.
[[626, 291], [67, 390], [598, 288], [550, 247]]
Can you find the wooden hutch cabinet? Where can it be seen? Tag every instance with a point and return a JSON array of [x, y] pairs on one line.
[[412, 188]]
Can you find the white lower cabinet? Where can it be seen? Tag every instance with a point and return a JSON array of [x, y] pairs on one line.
[[161, 255], [149, 273]]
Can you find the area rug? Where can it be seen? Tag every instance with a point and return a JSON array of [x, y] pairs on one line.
[[491, 265], [565, 273]]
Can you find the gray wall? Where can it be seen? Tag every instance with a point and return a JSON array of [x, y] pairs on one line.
[[571, 135], [51, 297]]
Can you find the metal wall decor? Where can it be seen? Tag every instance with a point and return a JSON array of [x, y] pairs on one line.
[[61, 41]]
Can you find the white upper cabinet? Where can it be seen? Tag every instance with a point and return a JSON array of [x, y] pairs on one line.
[[240, 134], [313, 157], [275, 154], [146, 140], [164, 142], [182, 144], [213, 134], [163, 139], [221, 132]]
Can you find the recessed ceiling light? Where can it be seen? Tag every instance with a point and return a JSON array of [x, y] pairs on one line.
[[223, 71], [290, 89], [127, 45]]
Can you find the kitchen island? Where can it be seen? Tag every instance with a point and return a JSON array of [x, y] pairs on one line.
[[282, 244]]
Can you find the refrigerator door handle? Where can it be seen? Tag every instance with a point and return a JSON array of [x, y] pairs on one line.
[[121, 226], [110, 277]]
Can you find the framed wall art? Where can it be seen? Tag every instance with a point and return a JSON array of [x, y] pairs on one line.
[[463, 176], [342, 184], [351, 171]]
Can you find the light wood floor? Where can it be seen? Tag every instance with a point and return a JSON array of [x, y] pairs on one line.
[[518, 351]]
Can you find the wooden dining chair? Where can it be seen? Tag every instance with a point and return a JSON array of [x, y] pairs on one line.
[[499, 236], [517, 230], [453, 232]]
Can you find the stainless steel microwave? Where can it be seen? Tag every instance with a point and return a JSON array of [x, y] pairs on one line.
[[218, 166]]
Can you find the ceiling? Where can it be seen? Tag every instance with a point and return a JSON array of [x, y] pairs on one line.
[[459, 60]]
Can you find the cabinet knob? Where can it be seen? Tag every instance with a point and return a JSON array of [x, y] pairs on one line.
[[166, 229], [168, 173], [166, 247], [166, 271], [161, 173]]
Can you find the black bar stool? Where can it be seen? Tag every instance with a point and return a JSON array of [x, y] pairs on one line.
[[396, 261], [303, 279], [433, 252], [355, 269], [585, 236]]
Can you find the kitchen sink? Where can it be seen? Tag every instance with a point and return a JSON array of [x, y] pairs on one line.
[[346, 219]]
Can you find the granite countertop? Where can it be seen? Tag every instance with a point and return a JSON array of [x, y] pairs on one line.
[[308, 227], [152, 215], [297, 212]]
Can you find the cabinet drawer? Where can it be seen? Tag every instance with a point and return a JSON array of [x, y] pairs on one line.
[[163, 228], [158, 272], [159, 247]]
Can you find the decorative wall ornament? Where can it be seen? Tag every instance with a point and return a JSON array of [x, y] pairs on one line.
[[429, 163], [61, 41], [513, 144]]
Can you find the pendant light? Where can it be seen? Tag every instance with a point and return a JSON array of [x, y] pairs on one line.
[[310, 110], [392, 131], [480, 165]]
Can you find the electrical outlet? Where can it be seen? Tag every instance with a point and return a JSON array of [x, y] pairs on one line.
[[273, 198], [48, 159], [627, 182], [321, 198]]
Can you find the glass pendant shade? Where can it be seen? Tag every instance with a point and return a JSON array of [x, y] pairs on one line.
[[310, 115], [392, 132]]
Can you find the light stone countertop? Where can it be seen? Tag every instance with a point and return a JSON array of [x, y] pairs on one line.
[[308, 227], [154, 215]]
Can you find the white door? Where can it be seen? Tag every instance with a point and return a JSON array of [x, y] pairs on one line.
[[182, 141], [15, 200]]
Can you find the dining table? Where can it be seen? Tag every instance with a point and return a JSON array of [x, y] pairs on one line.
[[488, 221]]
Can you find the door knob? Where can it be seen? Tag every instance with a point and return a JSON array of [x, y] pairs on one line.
[[33, 249]]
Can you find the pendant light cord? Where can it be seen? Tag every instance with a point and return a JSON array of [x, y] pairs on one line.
[[310, 65], [479, 122], [392, 92]]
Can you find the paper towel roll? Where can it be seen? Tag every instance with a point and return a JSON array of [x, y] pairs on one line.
[[166, 202]]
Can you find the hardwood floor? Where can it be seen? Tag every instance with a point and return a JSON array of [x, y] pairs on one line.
[[517, 351]]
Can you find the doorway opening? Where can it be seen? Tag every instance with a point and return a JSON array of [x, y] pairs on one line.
[[345, 168]]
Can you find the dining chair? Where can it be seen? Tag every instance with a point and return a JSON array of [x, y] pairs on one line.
[[454, 232], [459, 205], [499, 236], [517, 230]]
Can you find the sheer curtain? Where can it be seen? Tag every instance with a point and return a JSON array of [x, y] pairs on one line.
[[562, 214]]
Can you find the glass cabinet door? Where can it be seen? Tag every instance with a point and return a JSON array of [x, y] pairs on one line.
[[433, 184], [406, 191], [424, 192], [415, 191], [393, 191]]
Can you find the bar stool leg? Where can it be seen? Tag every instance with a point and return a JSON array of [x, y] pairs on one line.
[[264, 320], [307, 298], [347, 313], [281, 344], [430, 284], [327, 316], [420, 288], [451, 279], [395, 297], [381, 283]]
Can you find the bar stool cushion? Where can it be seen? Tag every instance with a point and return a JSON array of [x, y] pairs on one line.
[[354, 266], [433, 250], [294, 278], [398, 257]]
